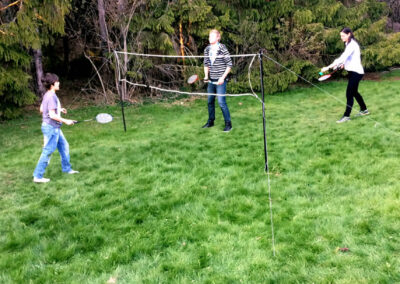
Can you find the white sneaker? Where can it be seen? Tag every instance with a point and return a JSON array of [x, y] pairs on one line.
[[40, 180], [362, 112], [343, 119], [71, 172]]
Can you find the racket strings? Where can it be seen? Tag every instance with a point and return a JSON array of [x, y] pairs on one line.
[[104, 118], [192, 79], [324, 77]]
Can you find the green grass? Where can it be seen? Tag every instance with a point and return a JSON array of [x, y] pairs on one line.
[[169, 202], [392, 75]]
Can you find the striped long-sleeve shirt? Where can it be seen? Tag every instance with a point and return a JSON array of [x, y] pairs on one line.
[[221, 62]]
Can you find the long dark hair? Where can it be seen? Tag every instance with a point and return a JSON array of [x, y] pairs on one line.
[[349, 31]]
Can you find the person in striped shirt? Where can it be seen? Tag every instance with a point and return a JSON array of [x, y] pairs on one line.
[[217, 65]]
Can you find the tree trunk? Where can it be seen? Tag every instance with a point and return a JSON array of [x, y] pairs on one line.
[[125, 48], [66, 54], [181, 41], [37, 56], [103, 28], [122, 4]]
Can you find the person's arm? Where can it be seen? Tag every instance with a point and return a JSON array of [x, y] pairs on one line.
[[346, 54], [228, 62], [206, 64], [206, 72], [223, 77], [53, 105], [54, 116], [342, 59]]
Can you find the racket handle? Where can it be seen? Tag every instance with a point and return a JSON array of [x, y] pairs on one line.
[[211, 82], [79, 121]]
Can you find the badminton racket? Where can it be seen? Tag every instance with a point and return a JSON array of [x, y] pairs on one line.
[[194, 78], [100, 118], [327, 76]]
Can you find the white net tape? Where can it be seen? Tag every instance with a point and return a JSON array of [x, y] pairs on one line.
[[168, 90], [181, 56]]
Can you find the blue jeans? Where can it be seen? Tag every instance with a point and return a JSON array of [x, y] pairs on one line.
[[53, 139], [217, 89]]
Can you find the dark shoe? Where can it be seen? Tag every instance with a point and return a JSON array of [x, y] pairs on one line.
[[228, 126], [209, 124]]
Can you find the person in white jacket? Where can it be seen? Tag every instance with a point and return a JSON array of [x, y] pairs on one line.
[[351, 61]]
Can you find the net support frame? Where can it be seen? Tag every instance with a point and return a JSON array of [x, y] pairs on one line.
[[263, 110], [120, 92]]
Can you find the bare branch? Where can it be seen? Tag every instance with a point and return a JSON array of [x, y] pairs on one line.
[[98, 74], [5, 33], [10, 5]]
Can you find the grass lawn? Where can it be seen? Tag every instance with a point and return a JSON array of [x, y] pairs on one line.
[[169, 202]]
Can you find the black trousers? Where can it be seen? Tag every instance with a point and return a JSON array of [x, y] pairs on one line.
[[352, 92]]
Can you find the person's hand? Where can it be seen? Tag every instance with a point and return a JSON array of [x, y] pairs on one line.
[[221, 81], [205, 79], [324, 69], [69, 121], [341, 66], [63, 110]]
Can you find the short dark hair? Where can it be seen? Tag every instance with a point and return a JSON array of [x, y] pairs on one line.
[[49, 80]]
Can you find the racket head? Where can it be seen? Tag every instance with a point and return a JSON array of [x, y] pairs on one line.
[[193, 79], [324, 77], [104, 118]]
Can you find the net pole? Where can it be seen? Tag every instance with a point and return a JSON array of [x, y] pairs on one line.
[[263, 110], [122, 111], [120, 91], [266, 152]]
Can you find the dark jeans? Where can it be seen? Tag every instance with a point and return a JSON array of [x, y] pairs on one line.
[[217, 89], [352, 92]]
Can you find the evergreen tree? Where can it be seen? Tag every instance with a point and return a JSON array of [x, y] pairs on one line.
[[24, 25]]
